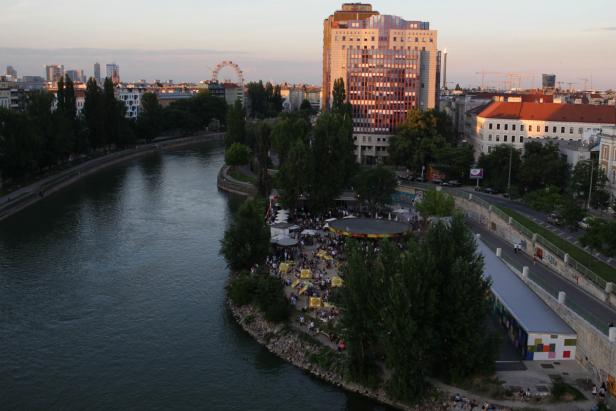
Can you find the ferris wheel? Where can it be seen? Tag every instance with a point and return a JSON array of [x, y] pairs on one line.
[[232, 65]]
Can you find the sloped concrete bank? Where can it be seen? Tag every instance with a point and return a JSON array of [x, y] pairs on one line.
[[289, 346]]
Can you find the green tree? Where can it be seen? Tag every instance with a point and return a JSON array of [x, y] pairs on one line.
[[294, 175], [111, 113], [601, 237], [542, 166], [570, 211], [455, 162], [375, 186], [237, 154], [263, 144], [247, 240], [580, 184], [546, 199], [422, 138], [149, 122], [333, 163], [94, 114], [436, 204], [20, 145], [236, 124], [338, 95], [257, 99], [361, 311], [306, 106], [289, 128], [450, 258], [496, 167]]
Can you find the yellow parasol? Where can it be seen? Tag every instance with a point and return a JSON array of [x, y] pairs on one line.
[[284, 268], [315, 302], [337, 281], [305, 274], [295, 283]]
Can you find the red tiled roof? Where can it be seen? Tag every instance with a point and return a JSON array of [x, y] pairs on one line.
[[575, 113]]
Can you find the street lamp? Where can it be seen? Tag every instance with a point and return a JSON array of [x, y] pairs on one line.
[[590, 187], [509, 177]]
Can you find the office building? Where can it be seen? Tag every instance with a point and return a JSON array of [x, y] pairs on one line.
[[548, 81], [76, 76], [97, 72], [10, 71], [54, 72], [113, 72], [389, 66]]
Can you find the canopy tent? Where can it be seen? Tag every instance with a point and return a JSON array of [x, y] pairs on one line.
[[284, 241], [322, 254], [309, 232], [314, 302], [284, 268]]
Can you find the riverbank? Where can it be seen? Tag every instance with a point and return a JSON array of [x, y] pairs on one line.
[[229, 184], [287, 344], [26, 196]]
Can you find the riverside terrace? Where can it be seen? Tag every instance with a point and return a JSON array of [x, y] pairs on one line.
[[307, 257]]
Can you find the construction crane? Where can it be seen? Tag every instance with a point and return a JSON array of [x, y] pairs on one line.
[[512, 79]]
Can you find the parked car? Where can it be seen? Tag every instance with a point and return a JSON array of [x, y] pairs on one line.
[[491, 190], [454, 183], [437, 181], [585, 223], [554, 218]]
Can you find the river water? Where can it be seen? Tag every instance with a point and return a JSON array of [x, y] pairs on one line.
[[112, 297]]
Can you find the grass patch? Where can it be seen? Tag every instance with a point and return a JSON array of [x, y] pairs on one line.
[[237, 174], [598, 267], [488, 385], [561, 391]]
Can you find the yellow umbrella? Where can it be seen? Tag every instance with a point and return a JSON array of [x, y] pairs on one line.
[[305, 274], [284, 268], [315, 302], [303, 290], [295, 282], [327, 305], [337, 281]]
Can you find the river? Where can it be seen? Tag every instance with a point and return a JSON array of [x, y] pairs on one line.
[[112, 297]]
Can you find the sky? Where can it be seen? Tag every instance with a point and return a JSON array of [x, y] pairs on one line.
[[281, 40]]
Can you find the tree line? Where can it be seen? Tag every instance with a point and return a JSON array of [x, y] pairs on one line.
[[50, 132], [418, 310]]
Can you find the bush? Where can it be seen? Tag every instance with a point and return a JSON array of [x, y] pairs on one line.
[[237, 154], [271, 300], [241, 290], [545, 200]]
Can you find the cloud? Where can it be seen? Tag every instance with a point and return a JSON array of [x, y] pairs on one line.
[[611, 28]]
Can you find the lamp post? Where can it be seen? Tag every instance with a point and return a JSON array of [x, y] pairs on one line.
[[509, 177], [590, 187]]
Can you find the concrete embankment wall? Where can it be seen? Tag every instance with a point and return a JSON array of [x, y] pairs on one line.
[[65, 178], [594, 349], [226, 183]]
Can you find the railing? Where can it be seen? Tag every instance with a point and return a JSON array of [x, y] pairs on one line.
[[553, 291], [576, 265]]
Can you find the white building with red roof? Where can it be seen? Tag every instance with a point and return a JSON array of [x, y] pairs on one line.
[[515, 123]]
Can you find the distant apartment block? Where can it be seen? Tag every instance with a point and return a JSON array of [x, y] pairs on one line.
[[113, 72], [607, 157], [76, 76], [515, 123], [389, 66], [97, 72], [54, 72]]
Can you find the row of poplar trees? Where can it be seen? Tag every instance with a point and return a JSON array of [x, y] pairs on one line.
[[419, 312]]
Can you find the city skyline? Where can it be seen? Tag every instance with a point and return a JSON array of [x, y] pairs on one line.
[[273, 43]]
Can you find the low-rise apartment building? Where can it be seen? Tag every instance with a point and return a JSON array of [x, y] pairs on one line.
[[607, 157], [515, 123]]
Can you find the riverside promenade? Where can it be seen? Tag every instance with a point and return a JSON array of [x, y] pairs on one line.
[[25, 196]]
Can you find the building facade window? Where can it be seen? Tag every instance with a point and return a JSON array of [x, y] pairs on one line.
[[490, 126]]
